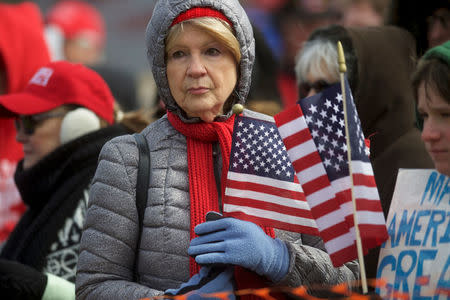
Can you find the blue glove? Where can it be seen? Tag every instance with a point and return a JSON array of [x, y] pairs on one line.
[[242, 243], [208, 280]]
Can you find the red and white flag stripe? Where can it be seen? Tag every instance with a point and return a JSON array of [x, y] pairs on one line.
[[326, 209], [268, 201]]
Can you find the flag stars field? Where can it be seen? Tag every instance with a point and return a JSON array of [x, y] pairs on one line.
[[327, 131], [261, 184], [268, 147]]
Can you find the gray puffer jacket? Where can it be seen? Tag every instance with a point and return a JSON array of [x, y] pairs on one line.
[[107, 251]]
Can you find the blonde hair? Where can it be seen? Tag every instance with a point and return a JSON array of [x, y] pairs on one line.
[[217, 28], [134, 121]]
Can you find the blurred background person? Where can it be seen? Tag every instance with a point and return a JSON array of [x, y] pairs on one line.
[[79, 32], [432, 90], [438, 30], [296, 20], [380, 61], [428, 21], [22, 52], [63, 117], [262, 14], [362, 12], [76, 32]]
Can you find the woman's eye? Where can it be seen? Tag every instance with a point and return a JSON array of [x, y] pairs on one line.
[[212, 51], [177, 54]]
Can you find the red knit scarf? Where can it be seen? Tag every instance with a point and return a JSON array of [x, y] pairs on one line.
[[202, 185]]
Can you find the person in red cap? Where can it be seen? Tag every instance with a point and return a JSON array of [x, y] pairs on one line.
[[22, 52], [75, 31], [63, 117]]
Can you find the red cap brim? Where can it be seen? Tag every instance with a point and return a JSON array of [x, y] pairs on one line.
[[24, 104], [4, 113]]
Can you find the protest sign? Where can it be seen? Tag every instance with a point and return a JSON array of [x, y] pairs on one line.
[[415, 260]]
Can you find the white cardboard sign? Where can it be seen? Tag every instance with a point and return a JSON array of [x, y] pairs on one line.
[[415, 260]]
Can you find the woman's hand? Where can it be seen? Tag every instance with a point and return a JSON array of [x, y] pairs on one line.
[[242, 243]]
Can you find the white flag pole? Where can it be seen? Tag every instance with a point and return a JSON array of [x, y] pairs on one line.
[[342, 71]]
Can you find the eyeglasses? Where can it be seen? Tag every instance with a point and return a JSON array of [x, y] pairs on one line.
[[317, 86], [30, 122]]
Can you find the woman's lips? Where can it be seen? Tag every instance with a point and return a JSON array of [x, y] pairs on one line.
[[198, 91]]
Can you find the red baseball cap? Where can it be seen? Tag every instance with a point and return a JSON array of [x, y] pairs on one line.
[[76, 18], [59, 83]]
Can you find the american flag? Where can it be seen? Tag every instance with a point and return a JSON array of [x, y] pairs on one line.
[[261, 185], [314, 134]]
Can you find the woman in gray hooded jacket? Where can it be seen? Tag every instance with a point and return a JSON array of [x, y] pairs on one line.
[[201, 53]]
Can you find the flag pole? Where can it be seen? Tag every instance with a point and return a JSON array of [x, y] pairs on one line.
[[342, 71]]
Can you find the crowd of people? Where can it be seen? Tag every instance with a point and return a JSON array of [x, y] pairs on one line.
[[69, 163]]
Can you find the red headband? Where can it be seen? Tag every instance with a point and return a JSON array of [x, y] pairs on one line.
[[198, 12]]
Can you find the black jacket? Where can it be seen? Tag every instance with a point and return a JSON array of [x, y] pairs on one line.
[[55, 192]]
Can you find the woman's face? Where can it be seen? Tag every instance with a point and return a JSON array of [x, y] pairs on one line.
[[43, 139], [435, 112], [202, 73]]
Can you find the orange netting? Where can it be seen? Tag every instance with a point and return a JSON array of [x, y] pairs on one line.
[[340, 291]]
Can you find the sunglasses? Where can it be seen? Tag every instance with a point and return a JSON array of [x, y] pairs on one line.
[[318, 86], [29, 122]]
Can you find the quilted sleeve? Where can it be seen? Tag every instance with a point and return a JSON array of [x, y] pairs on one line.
[[108, 243], [310, 264]]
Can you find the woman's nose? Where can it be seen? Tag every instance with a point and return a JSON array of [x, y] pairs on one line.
[[196, 67]]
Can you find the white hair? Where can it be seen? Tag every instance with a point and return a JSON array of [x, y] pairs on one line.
[[319, 57]]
